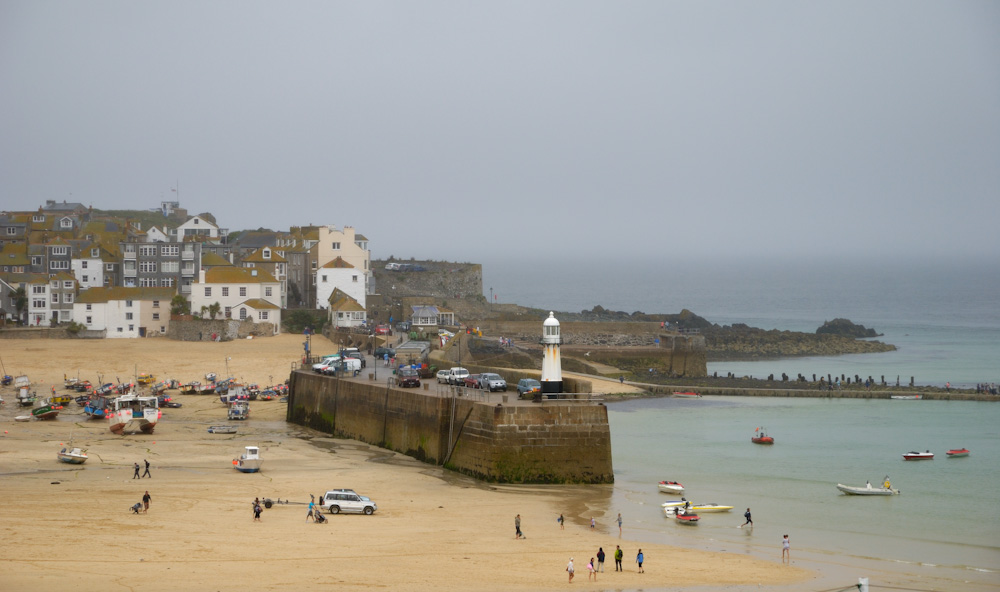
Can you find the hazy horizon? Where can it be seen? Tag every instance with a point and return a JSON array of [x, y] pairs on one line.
[[725, 131]]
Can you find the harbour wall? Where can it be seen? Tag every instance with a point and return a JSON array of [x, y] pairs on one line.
[[555, 441]]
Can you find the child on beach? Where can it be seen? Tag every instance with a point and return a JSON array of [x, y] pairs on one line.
[[747, 516], [569, 569], [786, 553], [590, 570]]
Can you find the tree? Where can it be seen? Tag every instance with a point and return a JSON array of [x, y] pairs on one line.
[[213, 309], [179, 305]]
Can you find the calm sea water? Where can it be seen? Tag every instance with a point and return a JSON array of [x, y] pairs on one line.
[[945, 317], [945, 518]]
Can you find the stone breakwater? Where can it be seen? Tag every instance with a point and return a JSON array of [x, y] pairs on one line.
[[741, 342]]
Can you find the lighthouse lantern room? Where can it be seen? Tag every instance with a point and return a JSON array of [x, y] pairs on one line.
[[551, 362]]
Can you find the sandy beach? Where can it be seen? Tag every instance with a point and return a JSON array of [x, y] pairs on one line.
[[69, 527]]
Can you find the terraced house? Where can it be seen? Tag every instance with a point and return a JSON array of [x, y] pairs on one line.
[[240, 293]]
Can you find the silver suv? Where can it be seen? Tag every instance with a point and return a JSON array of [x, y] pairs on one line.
[[347, 500]]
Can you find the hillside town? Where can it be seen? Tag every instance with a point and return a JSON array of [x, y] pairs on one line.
[[122, 275]]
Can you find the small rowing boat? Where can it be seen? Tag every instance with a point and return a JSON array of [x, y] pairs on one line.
[[905, 397], [686, 395], [958, 452], [222, 429]]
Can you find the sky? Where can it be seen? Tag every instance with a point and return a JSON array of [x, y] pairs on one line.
[[471, 131]]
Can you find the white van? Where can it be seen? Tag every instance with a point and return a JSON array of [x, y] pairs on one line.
[[351, 365]]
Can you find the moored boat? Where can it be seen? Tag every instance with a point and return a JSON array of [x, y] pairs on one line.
[[96, 407], [958, 452], [686, 395], [249, 461], [222, 429], [886, 489], [46, 410], [686, 517], [73, 456], [26, 398], [239, 410], [23, 418], [129, 414], [913, 455], [760, 437], [905, 397], [670, 487]]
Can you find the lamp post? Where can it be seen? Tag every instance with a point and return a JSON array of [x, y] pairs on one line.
[[491, 296], [227, 366]]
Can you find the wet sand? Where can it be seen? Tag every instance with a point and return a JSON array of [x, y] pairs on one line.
[[69, 527]]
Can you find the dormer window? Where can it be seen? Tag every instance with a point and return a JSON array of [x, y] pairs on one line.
[[38, 218], [267, 253], [95, 253], [66, 223]]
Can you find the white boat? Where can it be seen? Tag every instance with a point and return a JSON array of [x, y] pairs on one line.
[[222, 429], [670, 487], [239, 410], [73, 456], [886, 489], [671, 508], [913, 455], [905, 397], [249, 461], [129, 414], [23, 418], [709, 508]]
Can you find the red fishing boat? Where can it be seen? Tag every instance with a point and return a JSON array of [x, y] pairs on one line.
[[760, 437], [958, 452]]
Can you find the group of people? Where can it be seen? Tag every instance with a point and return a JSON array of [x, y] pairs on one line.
[[987, 389], [137, 467], [143, 506], [593, 568]]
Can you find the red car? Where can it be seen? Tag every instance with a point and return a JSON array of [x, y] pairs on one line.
[[383, 330], [407, 377], [472, 381]]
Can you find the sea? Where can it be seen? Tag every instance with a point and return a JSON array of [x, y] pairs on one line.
[[942, 530]]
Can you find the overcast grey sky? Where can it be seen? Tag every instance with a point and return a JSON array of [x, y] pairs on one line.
[[470, 130]]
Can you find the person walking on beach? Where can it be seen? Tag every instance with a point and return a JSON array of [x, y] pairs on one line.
[[517, 526], [145, 502], [136, 475], [593, 523], [562, 522], [146, 474], [256, 511], [786, 550], [619, 554], [638, 559], [309, 514], [600, 559], [619, 524], [590, 570], [569, 569], [747, 516]]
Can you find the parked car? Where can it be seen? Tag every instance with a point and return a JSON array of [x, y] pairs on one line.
[[381, 351], [407, 377], [383, 329], [348, 501], [324, 362], [456, 376], [528, 386], [492, 382], [356, 354], [442, 376], [472, 381]]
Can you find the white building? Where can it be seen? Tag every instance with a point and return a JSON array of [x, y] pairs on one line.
[[237, 290], [347, 245], [124, 313], [340, 275]]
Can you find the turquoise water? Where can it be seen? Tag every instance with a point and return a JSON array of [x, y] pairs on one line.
[[946, 516]]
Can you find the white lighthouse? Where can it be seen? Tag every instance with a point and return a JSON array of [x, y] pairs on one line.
[[551, 362]]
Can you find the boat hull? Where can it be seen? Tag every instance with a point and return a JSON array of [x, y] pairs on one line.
[[866, 490], [763, 440], [918, 456], [958, 453], [670, 487], [73, 457]]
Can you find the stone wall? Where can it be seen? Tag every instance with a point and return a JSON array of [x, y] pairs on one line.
[[532, 443], [228, 329]]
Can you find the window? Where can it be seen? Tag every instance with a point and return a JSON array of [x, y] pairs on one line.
[[37, 289], [11, 230], [225, 291], [95, 252], [262, 315], [128, 316], [90, 320], [243, 291], [68, 285], [68, 298], [163, 329], [130, 249], [37, 304], [35, 260], [156, 304], [147, 266], [170, 266], [55, 284], [336, 246], [109, 267], [131, 327], [119, 329], [86, 279], [66, 223], [55, 298], [243, 314], [83, 265], [148, 282], [208, 291], [167, 282], [323, 278], [267, 253], [90, 307], [354, 279], [128, 304], [229, 312], [156, 316], [267, 291], [60, 251], [58, 264], [170, 251], [147, 251], [38, 218]]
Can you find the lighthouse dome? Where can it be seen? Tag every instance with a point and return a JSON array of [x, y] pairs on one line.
[[551, 321], [550, 330]]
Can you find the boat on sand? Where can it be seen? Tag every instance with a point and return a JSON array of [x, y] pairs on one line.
[[73, 456], [131, 413], [249, 461]]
